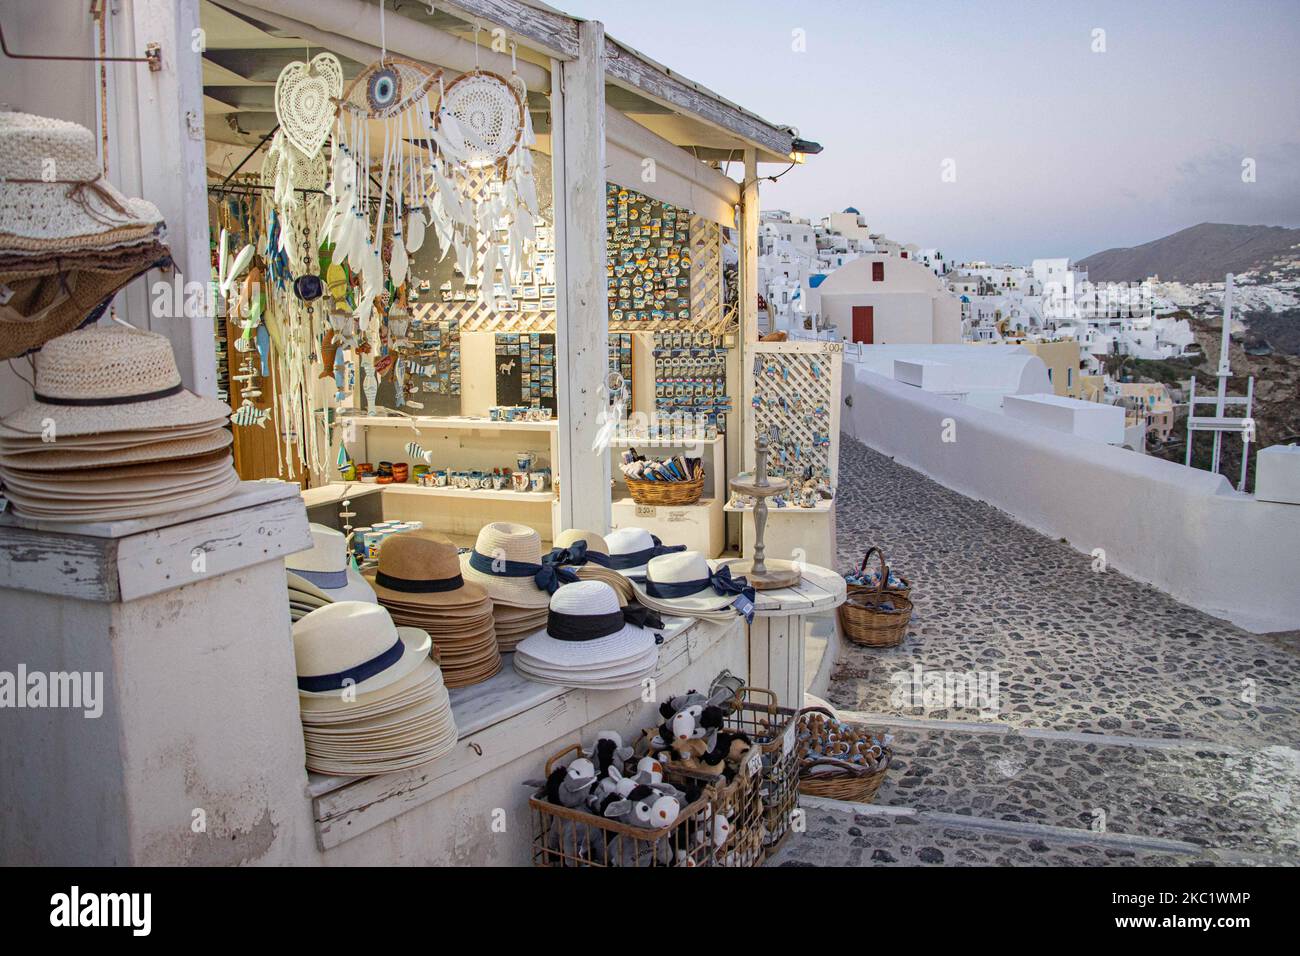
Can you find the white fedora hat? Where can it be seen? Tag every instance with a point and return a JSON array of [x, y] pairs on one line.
[[507, 562], [326, 566], [631, 548], [354, 644], [109, 378], [587, 631], [686, 583]]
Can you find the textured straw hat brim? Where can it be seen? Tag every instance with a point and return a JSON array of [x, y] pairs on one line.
[[29, 444], [45, 307], [143, 510], [183, 408], [416, 649], [58, 460], [177, 469], [332, 708]]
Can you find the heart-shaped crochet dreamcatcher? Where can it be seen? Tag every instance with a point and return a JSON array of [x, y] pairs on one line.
[[305, 94]]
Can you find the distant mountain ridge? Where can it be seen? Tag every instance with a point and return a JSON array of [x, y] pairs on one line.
[[1202, 253]]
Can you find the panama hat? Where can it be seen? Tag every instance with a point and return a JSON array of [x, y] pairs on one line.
[[419, 568], [326, 566], [69, 240], [507, 562], [588, 554], [106, 379], [686, 583], [631, 548], [354, 644], [589, 637]]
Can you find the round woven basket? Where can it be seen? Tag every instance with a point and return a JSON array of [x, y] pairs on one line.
[[666, 492], [843, 780], [875, 617]]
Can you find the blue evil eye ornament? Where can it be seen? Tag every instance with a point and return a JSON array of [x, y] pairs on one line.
[[383, 90]]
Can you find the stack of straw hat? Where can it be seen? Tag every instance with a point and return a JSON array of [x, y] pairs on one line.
[[323, 574], [372, 700], [418, 578], [588, 555], [68, 239], [112, 435], [507, 563], [590, 641]]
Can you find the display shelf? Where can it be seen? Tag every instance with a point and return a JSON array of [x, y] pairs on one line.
[[449, 423], [482, 494], [628, 442], [822, 507]]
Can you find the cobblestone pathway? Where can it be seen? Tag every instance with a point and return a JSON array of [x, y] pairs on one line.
[[1128, 729]]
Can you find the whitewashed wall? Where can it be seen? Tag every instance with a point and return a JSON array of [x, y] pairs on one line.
[[1186, 532]]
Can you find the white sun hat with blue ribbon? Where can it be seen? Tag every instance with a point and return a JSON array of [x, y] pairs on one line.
[[507, 561], [325, 566], [354, 645], [631, 548], [686, 583]]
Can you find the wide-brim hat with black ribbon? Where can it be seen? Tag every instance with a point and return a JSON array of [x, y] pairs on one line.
[[69, 239], [326, 567], [420, 568], [587, 631], [630, 549], [105, 379], [687, 583], [507, 561], [354, 646]]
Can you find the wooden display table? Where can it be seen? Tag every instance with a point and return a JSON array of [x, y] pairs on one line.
[[776, 637]]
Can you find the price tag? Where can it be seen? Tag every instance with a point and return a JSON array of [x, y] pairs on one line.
[[756, 762], [646, 511], [787, 741]]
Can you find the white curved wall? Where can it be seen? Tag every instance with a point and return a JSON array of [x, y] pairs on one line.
[[1184, 531]]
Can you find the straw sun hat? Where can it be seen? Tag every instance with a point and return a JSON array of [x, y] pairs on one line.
[[107, 379], [590, 641], [68, 238], [588, 554], [686, 583], [507, 562], [418, 567], [326, 568], [354, 644], [631, 548]]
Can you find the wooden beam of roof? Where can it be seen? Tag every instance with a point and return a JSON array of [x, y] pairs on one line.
[[554, 33], [627, 67]]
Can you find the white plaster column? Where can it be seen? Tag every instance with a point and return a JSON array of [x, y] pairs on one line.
[[582, 320]]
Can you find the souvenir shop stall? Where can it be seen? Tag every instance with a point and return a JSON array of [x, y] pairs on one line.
[[474, 367]]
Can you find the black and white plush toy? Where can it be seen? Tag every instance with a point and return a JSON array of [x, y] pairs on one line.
[[608, 751], [569, 786]]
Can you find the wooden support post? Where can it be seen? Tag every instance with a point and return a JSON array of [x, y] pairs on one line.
[[582, 319], [748, 272]]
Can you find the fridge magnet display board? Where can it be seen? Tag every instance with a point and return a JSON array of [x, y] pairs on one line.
[[525, 369]]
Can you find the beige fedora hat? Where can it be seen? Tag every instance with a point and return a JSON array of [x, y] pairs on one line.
[[420, 568], [506, 561], [354, 644], [107, 379]]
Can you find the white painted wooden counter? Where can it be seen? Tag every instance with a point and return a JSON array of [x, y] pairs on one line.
[[507, 726], [777, 634], [183, 621]]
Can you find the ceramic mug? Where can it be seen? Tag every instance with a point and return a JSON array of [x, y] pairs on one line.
[[519, 480], [499, 479], [537, 481], [524, 460], [440, 479]]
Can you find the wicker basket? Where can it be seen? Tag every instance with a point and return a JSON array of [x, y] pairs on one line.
[[843, 781], [772, 728], [875, 617], [575, 837], [666, 492], [905, 590]]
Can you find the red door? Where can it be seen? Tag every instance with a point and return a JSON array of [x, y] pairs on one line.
[[864, 324]]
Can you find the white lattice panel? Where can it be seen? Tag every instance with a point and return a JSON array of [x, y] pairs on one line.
[[795, 386]]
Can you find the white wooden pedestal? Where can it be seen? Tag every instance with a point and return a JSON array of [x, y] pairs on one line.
[[184, 620], [777, 634]]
